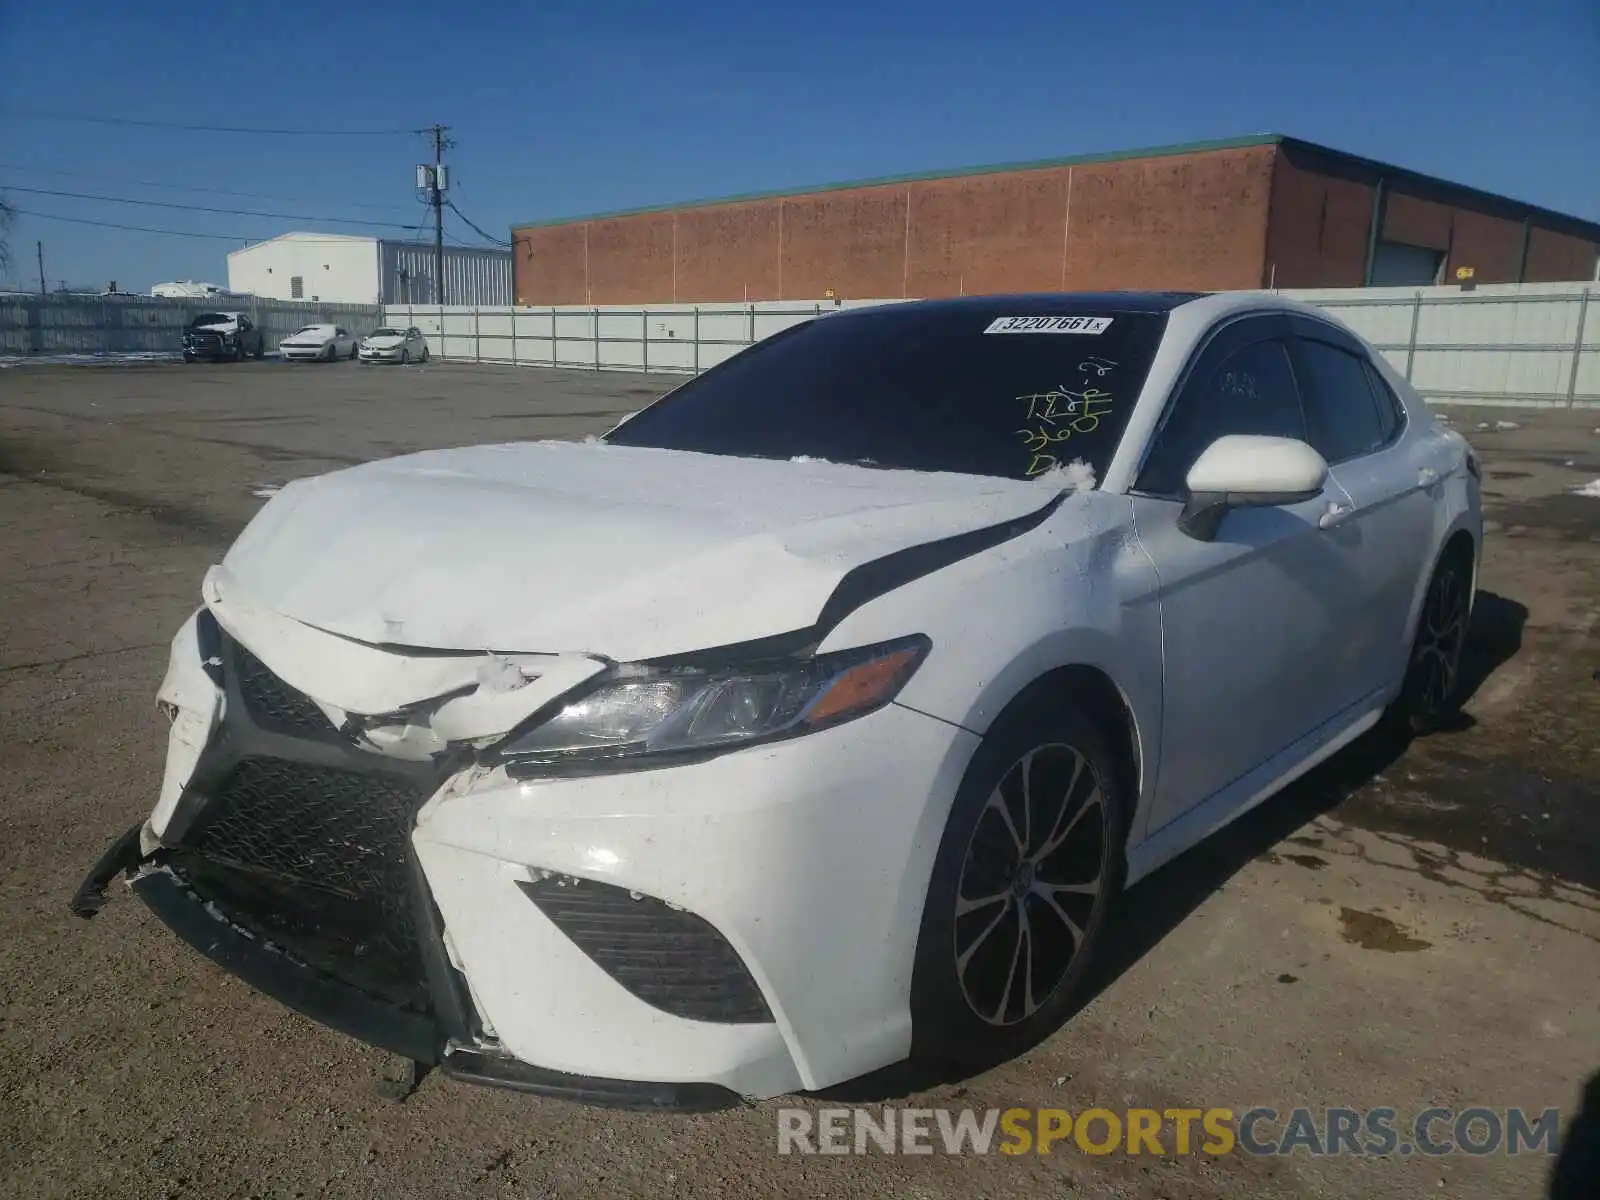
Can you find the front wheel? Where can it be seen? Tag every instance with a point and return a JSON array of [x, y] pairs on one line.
[[1030, 866], [424, 357]]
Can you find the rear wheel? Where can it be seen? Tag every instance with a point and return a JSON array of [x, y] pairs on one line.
[[1429, 693], [405, 357], [1028, 870]]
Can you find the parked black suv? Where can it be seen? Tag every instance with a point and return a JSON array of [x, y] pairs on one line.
[[220, 335]]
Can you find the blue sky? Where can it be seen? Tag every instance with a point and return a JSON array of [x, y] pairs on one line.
[[573, 106]]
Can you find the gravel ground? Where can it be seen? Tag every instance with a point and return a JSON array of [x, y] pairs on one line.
[[1407, 926]]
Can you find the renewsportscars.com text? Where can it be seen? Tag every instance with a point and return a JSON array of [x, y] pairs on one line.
[[1326, 1132]]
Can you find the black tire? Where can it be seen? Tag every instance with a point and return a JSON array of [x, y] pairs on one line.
[[355, 349], [1430, 693], [405, 356], [965, 1003], [260, 351], [424, 357], [238, 351], [187, 357]]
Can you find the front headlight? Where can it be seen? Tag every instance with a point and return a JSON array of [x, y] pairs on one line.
[[651, 716]]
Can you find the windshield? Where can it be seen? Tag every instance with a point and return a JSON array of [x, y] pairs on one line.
[[386, 333], [209, 319], [313, 329], [1003, 390]]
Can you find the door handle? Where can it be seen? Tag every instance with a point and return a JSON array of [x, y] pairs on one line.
[[1334, 514]]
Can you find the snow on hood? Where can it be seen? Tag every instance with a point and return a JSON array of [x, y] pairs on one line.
[[227, 326], [385, 340], [558, 547]]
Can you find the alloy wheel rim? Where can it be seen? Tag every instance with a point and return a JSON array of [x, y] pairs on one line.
[[1030, 883], [1440, 640]]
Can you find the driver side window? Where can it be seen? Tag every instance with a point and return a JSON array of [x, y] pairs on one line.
[[1234, 389]]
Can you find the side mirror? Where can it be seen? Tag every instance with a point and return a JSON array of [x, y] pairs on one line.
[[1248, 471]]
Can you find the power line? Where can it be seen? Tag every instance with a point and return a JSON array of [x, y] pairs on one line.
[[178, 187], [231, 212], [38, 114], [488, 237], [188, 233]]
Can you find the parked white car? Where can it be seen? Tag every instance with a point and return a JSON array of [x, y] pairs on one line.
[[389, 344], [816, 715], [313, 343]]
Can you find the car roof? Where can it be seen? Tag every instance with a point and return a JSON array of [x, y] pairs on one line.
[[1039, 303]]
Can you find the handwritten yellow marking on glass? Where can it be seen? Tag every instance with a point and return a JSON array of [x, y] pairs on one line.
[[1058, 414]]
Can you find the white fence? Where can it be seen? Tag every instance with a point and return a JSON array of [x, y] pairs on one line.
[[1513, 344], [1528, 344]]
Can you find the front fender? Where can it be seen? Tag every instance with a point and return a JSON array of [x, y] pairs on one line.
[[1078, 591]]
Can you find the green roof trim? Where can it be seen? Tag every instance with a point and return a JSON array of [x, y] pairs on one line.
[[1263, 139]]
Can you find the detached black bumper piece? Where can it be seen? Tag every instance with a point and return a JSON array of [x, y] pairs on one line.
[[121, 857], [472, 1065]]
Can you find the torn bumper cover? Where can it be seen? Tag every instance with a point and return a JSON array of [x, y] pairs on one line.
[[445, 1037], [286, 860]]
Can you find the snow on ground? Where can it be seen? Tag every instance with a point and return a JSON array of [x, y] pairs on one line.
[[109, 358], [1592, 488]]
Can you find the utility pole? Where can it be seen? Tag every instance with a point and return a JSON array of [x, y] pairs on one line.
[[438, 182], [39, 246]]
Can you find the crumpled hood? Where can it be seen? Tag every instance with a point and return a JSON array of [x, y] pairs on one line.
[[586, 547]]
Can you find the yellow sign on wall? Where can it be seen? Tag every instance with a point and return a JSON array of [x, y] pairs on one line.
[[1465, 272]]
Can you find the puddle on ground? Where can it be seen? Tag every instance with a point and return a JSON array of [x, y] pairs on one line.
[[1307, 860], [1372, 932], [1565, 517]]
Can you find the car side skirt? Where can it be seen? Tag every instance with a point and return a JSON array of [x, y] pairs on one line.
[[1272, 776]]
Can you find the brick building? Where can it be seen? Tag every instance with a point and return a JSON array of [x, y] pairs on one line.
[[1246, 213]]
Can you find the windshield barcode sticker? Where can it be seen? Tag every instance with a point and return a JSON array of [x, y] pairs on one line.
[[1049, 325]]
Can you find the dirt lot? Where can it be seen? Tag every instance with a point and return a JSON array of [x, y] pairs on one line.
[[1404, 928]]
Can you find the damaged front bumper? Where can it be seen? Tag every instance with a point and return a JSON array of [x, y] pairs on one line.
[[679, 937], [448, 1036], [328, 911]]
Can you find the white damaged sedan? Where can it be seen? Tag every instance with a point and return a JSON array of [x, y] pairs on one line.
[[318, 343], [815, 716]]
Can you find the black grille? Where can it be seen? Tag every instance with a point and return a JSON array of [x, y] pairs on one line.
[[670, 959], [272, 702], [315, 859]]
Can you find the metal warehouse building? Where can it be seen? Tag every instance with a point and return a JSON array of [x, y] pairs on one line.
[[340, 269], [1252, 212]]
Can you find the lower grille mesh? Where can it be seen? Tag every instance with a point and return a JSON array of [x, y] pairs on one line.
[[315, 859], [670, 959]]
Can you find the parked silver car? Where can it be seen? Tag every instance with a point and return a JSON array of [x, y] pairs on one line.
[[394, 345]]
